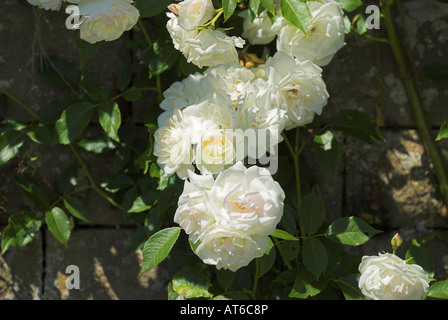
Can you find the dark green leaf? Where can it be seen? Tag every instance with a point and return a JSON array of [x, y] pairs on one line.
[[306, 285], [164, 59], [314, 256], [76, 208], [158, 246], [124, 76], [32, 191], [357, 124], [86, 51], [151, 8], [93, 87], [10, 143], [327, 153], [225, 278], [40, 133], [435, 71], [312, 212], [58, 224], [73, 121], [58, 72], [21, 229], [132, 94], [97, 144], [297, 13], [69, 178], [116, 183], [417, 254]]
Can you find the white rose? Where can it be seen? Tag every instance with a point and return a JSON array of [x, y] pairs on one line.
[[296, 87], [212, 47], [387, 277], [227, 249], [325, 34], [209, 47], [193, 213], [235, 80], [261, 30], [195, 13], [172, 146], [47, 4], [106, 19], [247, 200], [193, 89]]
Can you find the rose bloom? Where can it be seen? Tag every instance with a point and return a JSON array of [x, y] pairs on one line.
[[206, 48], [195, 13], [296, 87], [247, 200], [260, 31], [231, 216], [106, 19], [47, 4], [387, 277], [325, 34], [228, 249]]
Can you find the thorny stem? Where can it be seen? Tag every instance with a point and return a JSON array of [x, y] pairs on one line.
[[420, 118]]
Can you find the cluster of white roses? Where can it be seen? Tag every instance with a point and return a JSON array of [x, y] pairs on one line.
[[214, 119], [100, 20]]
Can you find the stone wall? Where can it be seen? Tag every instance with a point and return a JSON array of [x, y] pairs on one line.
[[389, 183]]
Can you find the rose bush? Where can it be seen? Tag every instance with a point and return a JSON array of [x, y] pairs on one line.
[[200, 189]]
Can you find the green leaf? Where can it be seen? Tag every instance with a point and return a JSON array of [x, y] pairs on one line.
[[151, 8], [10, 143], [144, 202], [281, 234], [297, 13], [269, 5], [117, 183], [76, 208], [416, 254], [73, 121], [69, 179], [357, 124], [191, 282], [350, 5], [132, 94], [443, 133], [124, 76], [163, 60], [267, 260], [40, 133], [32, 191], [158, 246], [228, 7], [306, 285], [97, 144], [351, 231], [314, 256], [58, 72], [312, 212], [289, 250], [439, 290], [110, 119], [21, 229], [53, 110], [93, 87], [225, 278], [361, 25], [327, 153], [86, 51], [255, 9], [58, 224], [435, 71], [349, 291]]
